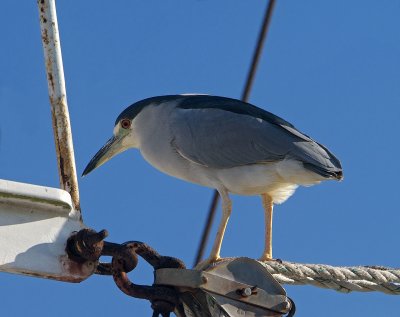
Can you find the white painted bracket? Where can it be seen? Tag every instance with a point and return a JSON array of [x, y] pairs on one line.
[[35, 223]]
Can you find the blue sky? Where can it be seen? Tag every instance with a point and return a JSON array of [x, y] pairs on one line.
[[331, 68]]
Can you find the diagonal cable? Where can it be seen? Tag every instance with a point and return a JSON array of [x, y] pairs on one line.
[[245, 97]]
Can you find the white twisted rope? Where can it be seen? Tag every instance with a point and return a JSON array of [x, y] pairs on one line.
[[341, 279]]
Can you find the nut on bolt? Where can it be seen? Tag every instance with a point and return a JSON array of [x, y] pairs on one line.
[[86, 245]]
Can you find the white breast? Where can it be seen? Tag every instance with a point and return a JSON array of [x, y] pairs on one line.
[[152, 130]]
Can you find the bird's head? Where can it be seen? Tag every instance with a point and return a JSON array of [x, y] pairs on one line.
[[123, 138]]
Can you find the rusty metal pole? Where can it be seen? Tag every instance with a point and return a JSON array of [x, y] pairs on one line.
[[58, 99]]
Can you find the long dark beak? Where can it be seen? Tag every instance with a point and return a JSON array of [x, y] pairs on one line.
[[106, 153]]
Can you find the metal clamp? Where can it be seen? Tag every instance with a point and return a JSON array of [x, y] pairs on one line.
[[232, 288]]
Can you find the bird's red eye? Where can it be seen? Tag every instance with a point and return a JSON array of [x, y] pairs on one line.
[[125, 123]]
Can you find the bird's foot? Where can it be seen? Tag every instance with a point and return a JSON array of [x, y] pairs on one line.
[[203, 265], [266, 258]]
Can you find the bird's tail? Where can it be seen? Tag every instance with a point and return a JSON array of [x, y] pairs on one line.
[[320, 160]]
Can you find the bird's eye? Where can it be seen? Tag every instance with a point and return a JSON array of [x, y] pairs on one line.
[[125, 123]]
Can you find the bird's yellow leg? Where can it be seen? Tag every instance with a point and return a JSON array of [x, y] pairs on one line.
[[216, 249], [268, 205]]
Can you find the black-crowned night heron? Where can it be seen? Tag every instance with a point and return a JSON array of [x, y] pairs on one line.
[[225, 144]]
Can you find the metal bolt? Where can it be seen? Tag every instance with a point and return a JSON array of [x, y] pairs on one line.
[[247, 291]]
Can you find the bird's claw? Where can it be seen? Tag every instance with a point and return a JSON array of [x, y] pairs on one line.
[[204, 265]]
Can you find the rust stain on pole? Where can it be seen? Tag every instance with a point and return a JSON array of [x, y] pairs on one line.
[[58, 99]]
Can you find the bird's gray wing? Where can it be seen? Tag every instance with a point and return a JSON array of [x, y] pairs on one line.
[[223, 139], [219, 138]]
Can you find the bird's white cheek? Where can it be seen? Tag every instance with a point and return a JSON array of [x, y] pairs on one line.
[[129, 141]]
